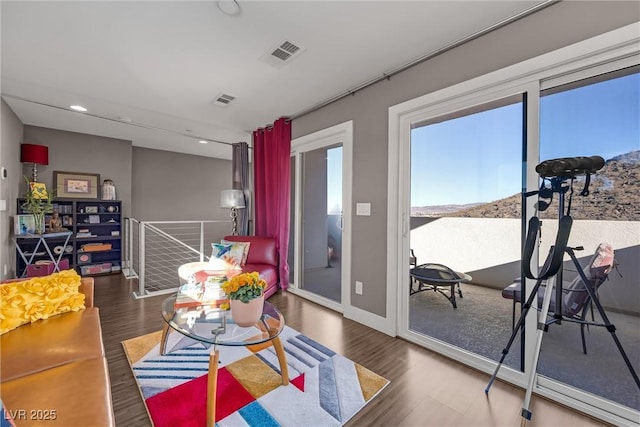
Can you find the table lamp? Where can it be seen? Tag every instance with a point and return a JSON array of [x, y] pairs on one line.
[[36, 154], [234, 200]]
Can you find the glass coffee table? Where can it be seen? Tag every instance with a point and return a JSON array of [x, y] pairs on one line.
[[215, 326]]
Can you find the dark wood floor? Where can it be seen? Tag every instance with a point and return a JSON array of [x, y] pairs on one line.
[[426, 389]]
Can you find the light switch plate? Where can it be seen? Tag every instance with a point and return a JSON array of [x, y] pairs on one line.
[[363, 209], [3, 205]]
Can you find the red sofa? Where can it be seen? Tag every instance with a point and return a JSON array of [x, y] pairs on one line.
[[263, 258]]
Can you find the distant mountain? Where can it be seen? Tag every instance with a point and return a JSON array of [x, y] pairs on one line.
[[438, 210], [614, 195]]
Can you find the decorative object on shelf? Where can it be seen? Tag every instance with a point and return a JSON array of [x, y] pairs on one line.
[[101, 268], [77, 185], [91, 209], [112, 209], [38, 203], [55, 224], [108, 190], [246, 297], [39, 190], [36, 154], [234, 200], [24, 224], [95, 247]]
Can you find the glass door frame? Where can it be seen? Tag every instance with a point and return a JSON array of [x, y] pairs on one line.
[[338, 134], [610, 51], [530, 94]]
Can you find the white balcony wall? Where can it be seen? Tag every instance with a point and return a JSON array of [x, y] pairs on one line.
[[489, 250]]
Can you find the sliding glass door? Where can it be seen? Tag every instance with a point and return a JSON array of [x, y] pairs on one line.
[[466, 185], [598, 116], [463, 164]]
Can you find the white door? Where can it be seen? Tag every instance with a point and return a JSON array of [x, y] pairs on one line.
[[320, 210]]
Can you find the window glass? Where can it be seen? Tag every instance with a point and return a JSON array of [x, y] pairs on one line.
[[598, 116], [466, 181]]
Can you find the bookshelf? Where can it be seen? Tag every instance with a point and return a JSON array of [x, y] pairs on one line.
[[96, 241]]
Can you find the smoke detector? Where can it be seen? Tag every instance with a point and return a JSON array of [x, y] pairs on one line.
[[223, 99], [282, 53]]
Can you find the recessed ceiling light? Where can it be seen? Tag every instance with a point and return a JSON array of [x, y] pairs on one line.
[[229, 7], [202, 141], [78, 108]]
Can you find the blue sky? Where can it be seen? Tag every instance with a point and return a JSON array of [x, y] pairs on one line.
[[334, 180], [477, 158]]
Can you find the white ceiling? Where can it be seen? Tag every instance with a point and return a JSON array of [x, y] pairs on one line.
[[160, 64]]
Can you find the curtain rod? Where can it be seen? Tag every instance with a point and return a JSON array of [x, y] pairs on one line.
[[97, 116], [389, 74]]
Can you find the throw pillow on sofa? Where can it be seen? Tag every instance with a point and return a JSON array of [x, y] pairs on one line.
[[226, 257], [245, 246], [38, 298]]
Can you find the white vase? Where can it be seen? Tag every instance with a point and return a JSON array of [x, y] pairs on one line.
[[247, 313]]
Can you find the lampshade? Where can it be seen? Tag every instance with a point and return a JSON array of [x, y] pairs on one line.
[[32, 153], [231, 199]]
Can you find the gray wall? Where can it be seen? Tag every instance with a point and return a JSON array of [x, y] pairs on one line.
[[554, 27], [79, 152], [172, 186], [152, 184], [10, 139]]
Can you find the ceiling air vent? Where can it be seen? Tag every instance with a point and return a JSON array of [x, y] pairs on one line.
[[282, 53], [223, 99]]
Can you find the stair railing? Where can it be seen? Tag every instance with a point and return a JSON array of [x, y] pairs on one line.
[[154, 251]]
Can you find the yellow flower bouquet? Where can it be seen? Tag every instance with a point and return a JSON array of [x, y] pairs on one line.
[[244, 287]]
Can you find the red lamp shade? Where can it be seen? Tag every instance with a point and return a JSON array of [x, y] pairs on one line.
[[32, 153]]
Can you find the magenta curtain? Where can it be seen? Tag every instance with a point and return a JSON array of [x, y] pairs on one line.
[[271, 167]]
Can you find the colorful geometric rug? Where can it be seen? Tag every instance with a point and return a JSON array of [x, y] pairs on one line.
[[325, 389]]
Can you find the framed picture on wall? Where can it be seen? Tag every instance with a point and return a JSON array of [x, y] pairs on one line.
[[77, 185]]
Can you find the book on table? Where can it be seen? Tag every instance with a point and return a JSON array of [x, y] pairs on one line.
[[202, 290]]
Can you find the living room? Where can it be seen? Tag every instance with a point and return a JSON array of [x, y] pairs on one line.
[[151, 182]]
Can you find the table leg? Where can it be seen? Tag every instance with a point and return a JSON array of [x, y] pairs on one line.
[[452, 298], [282, 359], [163, 340], [212, 383]]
